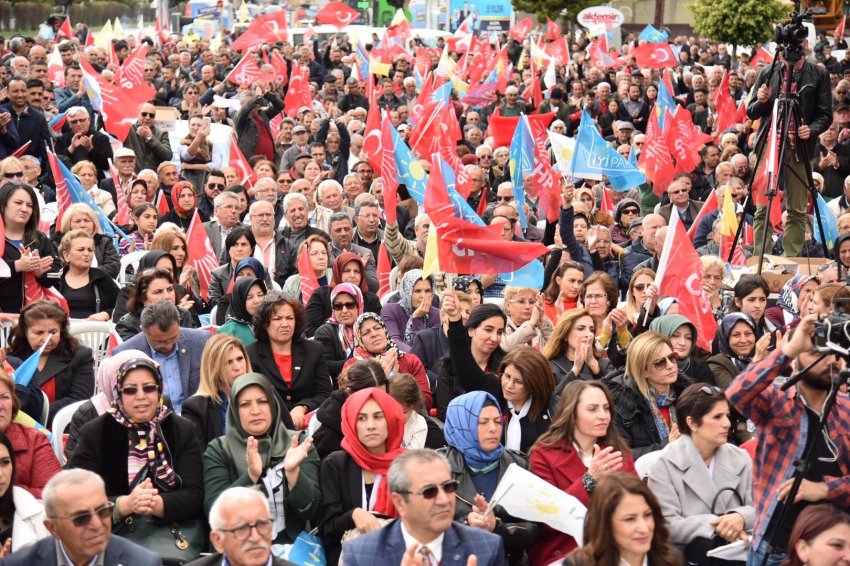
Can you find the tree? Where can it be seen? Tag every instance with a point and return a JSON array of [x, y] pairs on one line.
[[753, 21], [553, 8]]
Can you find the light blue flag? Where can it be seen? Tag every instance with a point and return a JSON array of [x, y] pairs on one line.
[[23, 375], [443, 93], [593, 157], [410, 171], [79, 194], [830, 225], [633, 160], [529, 275], [664, 102], [418, 78], [521, 162], [652, 35]]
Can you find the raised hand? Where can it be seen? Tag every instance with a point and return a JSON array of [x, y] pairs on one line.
[[604, 461], [254, 460]]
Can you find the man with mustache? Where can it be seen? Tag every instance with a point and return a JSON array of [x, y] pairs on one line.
[[241, 530]]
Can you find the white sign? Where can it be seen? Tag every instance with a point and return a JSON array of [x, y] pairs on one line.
[[601, 15]]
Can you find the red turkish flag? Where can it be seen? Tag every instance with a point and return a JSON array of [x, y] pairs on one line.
[[201, 255], [383, 270], [337, 14], [502, 127], [122, 216], [372, 140], [239, 162], [447, 150], [655, 159], [679, 275], [34, 291], [553, 30], [270, 28], [465, 247], [761, 56], [598, 53], [162, 204], [519, 32], [298, 92], [55, 68], [309, 281], [65, 29], [654, 56]]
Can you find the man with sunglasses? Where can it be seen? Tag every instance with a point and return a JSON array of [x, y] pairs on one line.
[[688, 209], [423, 491], [785, 421], [215, 184], [79, 516], [82, 143], [149, 143]]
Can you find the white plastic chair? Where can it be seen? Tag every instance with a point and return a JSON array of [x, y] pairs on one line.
[[386, 298], [130, 260], [393, 277], [5, 331], [45, 409], [60, 423], [95, 335], [213, 313], [644, 464], [495, 301]]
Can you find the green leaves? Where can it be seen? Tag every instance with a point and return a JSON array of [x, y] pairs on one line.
[[552, 8], [738, 22]]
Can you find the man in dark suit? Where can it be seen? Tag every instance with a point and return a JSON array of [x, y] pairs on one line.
[[422, 489], [79, 516], [241, 530], [177, 350]]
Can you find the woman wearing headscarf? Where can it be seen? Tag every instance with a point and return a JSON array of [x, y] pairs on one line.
[[471, 285], [413, 312], [184, 204], [625, 211], [354, 479], [245, 267], [372, 341], [337, 334], [792, 300], [683, 336], [147, 455], [101, 402], [737, 348], [478, 460], [248, 293], [597, 216], [257, 450], [348, 267]]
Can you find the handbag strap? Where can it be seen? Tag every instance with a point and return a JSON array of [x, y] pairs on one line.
[[716, 497]]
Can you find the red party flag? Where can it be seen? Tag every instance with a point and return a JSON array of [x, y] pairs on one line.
[[838, 35], [761, 56], [55, 68], [655, 159], [65, 29], [131, 75], [521, 29], [654, 56], [710, 205], [240, 163], [386, 164], [22, 150], [553, 30], [246, 72], [372, 140], [278, 63], [724, 105], [162, 204], [680, 275], [502, 128], [309, 281], [201, 255], [337, 14], [545, 181], [122, 216], [298, 92], [383, 270], [35, 291]]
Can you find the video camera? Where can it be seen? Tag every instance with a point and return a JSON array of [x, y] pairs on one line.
[[791, 34], [832, 334]]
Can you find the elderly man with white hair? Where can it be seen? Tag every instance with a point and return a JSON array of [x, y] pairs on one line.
[[82, 143], [297, 212], [330, 195], [512, 105]]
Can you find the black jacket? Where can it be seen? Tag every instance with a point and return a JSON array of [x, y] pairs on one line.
[[431, 345], [633, 417], [103, 442], [73, 378], [327, 335], [311, 383], [206, 415], [328, 437], [12, 288], [246, 128], [105, 293], [130, 323], [319, 308], [31, 125], [100, 154], [107, 256], [562, 368], [518, 535]]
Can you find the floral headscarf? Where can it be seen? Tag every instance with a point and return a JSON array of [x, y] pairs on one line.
[[408, 282], [346, 334], [791, 293], [360, 351]]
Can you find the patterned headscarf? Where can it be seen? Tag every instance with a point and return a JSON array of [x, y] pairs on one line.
[[360, 351], [791, 293], [726, 325], [408, 282], [346, 334], [461, 430], [146, 453]]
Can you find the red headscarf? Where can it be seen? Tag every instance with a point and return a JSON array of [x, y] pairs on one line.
[[175, 198], [339, 264], [377, 464]]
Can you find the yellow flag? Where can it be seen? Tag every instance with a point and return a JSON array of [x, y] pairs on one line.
[[729, 223], [117, 29], [243, 14], [215, 43], [104, 37], [431, 263], [378, 68]]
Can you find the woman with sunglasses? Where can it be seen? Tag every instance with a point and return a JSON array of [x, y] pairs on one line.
[[147, 455], [527, 323], [337, 334], [478, 460], [645, 394], [247, 296], [258, 450], [683, 336], [624, 526], [354, 479], [348, 267], [27, 251], [737, 347], [703, 483], [579, 449], [184, 204], [372, 341], [625, 211], [21, 515]]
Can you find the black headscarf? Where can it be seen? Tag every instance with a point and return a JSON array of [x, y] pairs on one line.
[[237, 310]]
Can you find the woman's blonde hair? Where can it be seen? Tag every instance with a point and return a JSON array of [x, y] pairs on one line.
[[80, 208], [213, 361], [67, 240], [632, 308], [642, 351], [80, 165]]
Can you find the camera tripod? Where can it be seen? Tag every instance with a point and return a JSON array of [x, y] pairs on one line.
[[788, 112]]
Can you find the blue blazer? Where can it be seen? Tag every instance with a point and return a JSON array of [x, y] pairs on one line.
[[189, 350], [386, 546], [119, 552]]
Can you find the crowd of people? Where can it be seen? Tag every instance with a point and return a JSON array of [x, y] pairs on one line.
[[382, 408]]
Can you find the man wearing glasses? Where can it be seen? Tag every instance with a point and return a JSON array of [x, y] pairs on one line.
[[215, 184], [423, 491], [241, 530], [679, 193], [82, 143], [79, 516], [149, 143]]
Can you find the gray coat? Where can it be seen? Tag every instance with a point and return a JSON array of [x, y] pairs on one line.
[[686, 490]]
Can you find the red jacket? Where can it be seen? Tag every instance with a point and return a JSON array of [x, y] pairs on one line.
[[35, 461], [561, 466]]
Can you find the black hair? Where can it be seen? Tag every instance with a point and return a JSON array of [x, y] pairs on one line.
[[238, 233], [749, 283], [482, 312], [696, 401]]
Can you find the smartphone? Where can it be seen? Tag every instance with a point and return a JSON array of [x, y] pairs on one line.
[[208, 120]]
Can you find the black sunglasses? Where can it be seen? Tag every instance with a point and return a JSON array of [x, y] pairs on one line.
[[349, 305], [431, 491], [132, 390], [148, 114], [630, 211], [82, 519], [215, 186], [14, 175]]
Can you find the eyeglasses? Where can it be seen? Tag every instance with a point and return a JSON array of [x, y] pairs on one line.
[[485, 157], [219, 186], [340, 306], [661, 363], [505, 199], [147, 114], [630, 211], [103, 513], [283, 180], [595, 297], [710, 390], [80, 121], [18, 175], [680, 191], [147, 389], [507, 380], [242, 532], [431, 491], [641, 286]]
